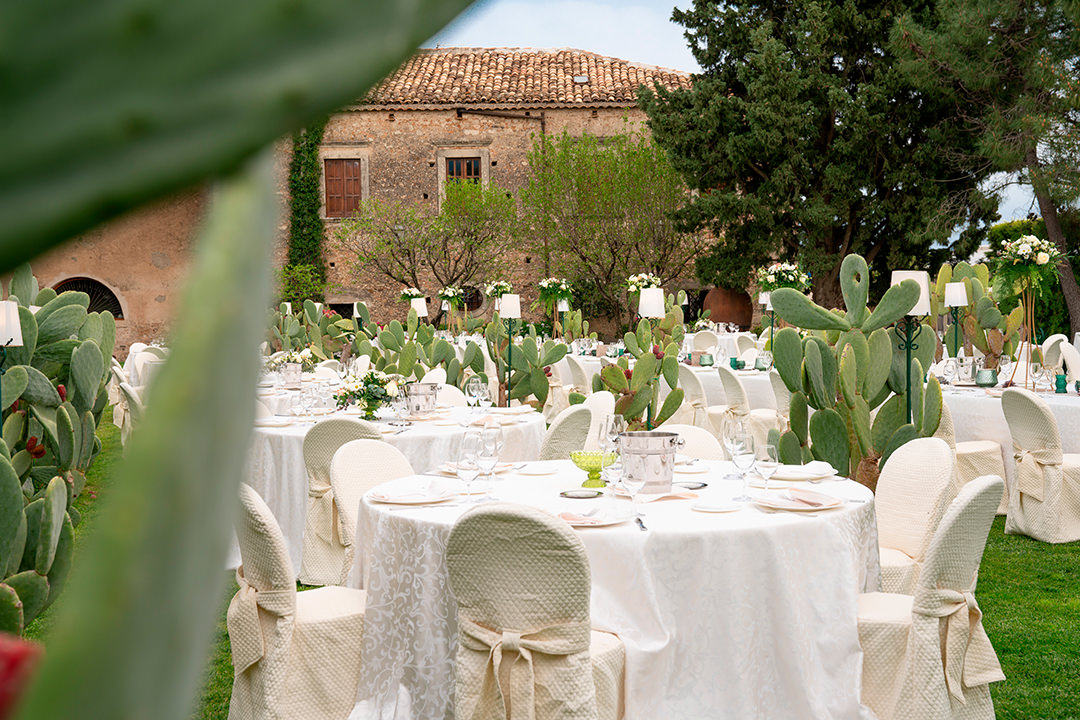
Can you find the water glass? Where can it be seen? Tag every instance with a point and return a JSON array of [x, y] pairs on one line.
[[484, 396], [767, 462], [743, 457], [468, 466]]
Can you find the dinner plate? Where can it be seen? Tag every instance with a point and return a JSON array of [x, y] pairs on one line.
[[695, 469], [416, 498], [539, 468], [414, 491], [450, 468], [963, 383], [798, 500], [600, 519], [816, 470], [717, 507], [272, 422], [774, 484]]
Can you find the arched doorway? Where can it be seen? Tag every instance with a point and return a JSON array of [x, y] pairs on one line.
[[101, 297]]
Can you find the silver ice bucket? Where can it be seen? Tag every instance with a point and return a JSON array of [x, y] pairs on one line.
[[649, 455], [420, 398]]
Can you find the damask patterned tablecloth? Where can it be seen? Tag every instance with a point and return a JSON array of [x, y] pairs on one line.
[[737, 615], [276, 470]]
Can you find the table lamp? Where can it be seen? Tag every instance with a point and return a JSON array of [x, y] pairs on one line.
[[909, 327], [765, 298], [651, 303], [420, 306], [10, 329], [955, 298], [509, 310]]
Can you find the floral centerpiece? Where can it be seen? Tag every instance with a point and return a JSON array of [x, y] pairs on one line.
[[497, 288], [454, 298], [636, 283], [552, 291], [410, 293], [1026, 266], [304, 358], [782, 275], [703, 324], [371, 391]]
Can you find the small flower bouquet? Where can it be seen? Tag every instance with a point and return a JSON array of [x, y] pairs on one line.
[[636, 283], [304, 358], [782, 275], [410, 293], [703, 324], [1026, 262], [453, 296], [498, 288], [553, 289], [371, 391]]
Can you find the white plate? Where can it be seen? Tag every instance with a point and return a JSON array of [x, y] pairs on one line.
[[601, 519], [774, 484], [816, 470], [695, 469], [417, 498], [786, 501], [445, 423], [539, 468], [450, 468], [273, 422], [414, 491], [719, 507]]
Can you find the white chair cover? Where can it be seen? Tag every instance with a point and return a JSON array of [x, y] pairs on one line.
[[326, 373], [323, 551], [435, 375], [759, 421], [1051, 352], [450, 395], [697, 442], [1071, 357], [567, 433], [744, 342], [749, 356], [332, 364], [558, 397], [356, 467], [525, 647], [974, 458], [361, 365], [117, 377], [601, 404], [913, 491], [1044, 502], [695, 407], [295, 655], [580, 379], [134, 411], [705, 340], [261, 411], [927, 656], [783, 399]]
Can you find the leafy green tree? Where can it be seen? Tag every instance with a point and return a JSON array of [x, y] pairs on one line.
[[306, 230], [802, 139], [1010, 69], [600, 210]]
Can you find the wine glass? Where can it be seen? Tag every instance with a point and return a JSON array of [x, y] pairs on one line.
[[632, 483], [484, 396], [743, 457], [468, 466], [767, 462], [732, 432], [490, 447], [472, 390], [608, 440]]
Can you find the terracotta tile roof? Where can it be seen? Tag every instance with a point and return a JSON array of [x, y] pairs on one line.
[[514, 77]]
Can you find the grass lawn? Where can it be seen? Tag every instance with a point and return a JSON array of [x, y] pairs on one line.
[[1029, 593]]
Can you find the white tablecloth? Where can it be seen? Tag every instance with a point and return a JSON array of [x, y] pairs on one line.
[[276, 469], [759, 390], [736, 615], [978, 416]]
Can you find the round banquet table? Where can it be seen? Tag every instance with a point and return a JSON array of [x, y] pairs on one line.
[[977, 415], [275, 467], [746, 614], [759, 390]]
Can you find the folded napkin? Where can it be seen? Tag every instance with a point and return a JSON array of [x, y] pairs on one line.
[[576, 519], [500, 420], [653, 497], [810, 471], [812, 498]]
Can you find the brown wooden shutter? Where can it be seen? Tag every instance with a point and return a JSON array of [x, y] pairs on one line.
[[335, 187]]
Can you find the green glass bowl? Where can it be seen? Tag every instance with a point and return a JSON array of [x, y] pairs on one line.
[[592, 462]]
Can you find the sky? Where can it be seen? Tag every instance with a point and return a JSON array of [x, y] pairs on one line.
[[636, 30]]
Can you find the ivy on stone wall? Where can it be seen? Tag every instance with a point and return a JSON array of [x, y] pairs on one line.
[[306, 227]]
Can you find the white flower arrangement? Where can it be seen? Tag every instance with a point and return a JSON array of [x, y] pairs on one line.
[[782, 275], [498, 288], [374, 388], [1029, 250], [453, 295], [636, 283], [703, 324], [304, 358], [554, 288], [411, 293]]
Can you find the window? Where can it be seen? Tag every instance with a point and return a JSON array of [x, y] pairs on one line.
[[101, 297], [473, 298], [463, 168], [343, 186]]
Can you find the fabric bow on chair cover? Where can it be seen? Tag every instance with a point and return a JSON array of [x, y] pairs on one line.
[[969, 658], [571, 683], [1031, 466], [245, 630]]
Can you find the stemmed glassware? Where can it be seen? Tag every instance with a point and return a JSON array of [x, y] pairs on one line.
[[491, 442], [732, 430], [767, 462], [744, 459], [484, 396], [607, 439], [472, 390], [468, 466], [949, 370]]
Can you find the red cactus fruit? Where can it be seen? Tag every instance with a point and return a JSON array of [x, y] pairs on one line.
[[17, 660], [63, 392], [628, 374], [35, 450]]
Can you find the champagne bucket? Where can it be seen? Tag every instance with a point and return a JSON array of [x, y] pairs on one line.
[[420, 398], [649, 455], [290, 376]]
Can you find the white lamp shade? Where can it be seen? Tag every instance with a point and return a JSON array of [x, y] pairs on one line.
[[356, 309], [288, 308], [318, 307], [510, 307], [10, 327], [445, 305], [955, 294], [922, 305], [420, 306], [765, 298], [563, 306], [651, 303]]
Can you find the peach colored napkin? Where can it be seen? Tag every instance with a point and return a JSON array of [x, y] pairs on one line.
[[575, 519], [653, 497], [515, 410], [812, 498]]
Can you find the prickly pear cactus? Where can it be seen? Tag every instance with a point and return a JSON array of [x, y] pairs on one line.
[[843, 371], [530, 363], [981, 323]]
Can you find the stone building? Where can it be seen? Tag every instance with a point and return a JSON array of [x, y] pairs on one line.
[[469, 113]]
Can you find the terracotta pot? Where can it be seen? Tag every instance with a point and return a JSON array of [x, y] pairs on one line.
[[730, 306]]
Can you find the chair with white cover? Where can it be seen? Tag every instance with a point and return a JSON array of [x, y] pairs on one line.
[[578, 377], [295, 655], [154, 351], [1044, 502], [696, 442], [452, 396], [324, 372], [567, 433], [558, 397], [694, 408], [525, 645], [134, 411], [1051, 351], [760, 421], [783, 398], [745, 342], [601, 404], [974, 458], [435, 375], [361, 365], [358, 466], [749, 357], [1070, 357], [261, 411], [117, 377], [913, 491], [332, 364], [323, 552], [927, 655], [705, 340]]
